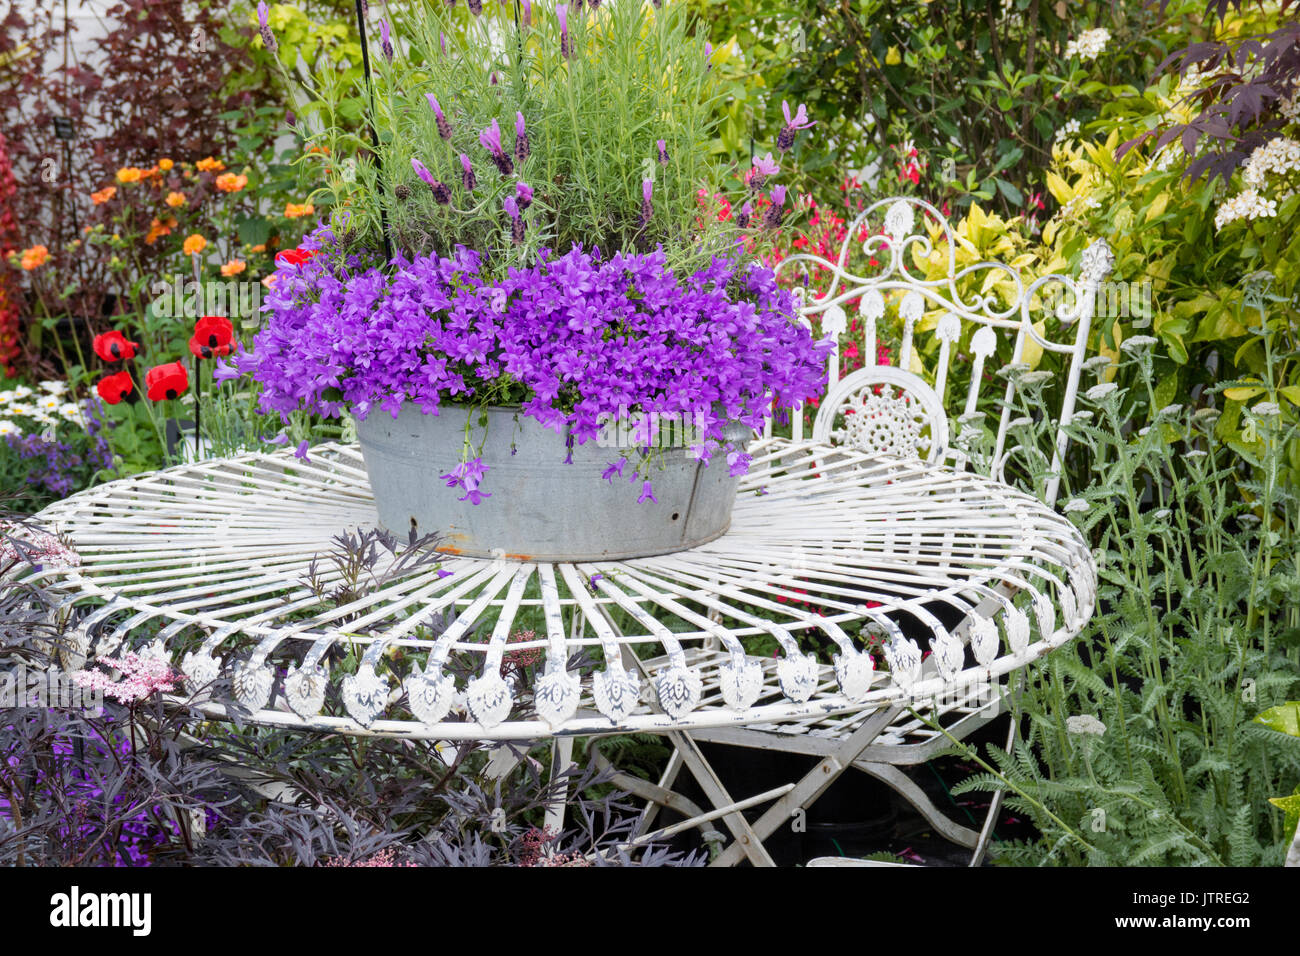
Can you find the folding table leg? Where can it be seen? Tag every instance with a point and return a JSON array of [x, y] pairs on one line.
[[814, 783], [561, 760], [652, 807], [746, 841]]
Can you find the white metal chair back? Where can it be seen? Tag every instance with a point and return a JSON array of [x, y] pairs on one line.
[[988, 311]]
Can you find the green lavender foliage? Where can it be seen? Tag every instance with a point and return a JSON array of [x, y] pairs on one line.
[[635, 75], [1197, 631]]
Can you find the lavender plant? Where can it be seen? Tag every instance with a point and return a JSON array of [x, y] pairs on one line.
[[532, 185]]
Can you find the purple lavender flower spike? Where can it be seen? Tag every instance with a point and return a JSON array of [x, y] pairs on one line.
[[422, 171], [444, 127], [524, 195], [745, 214], [562, 11], [647, 207], [763, 168], [516, 222], [442, 42], [527, 18], [792, 125], [522, 148], [663, 151], [468, 179], [772, 218], [490, 139], [264, 27], [386, 40], [475, 6]]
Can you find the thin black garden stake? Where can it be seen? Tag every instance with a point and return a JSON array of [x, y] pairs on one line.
[[198, 367], [374, 135]]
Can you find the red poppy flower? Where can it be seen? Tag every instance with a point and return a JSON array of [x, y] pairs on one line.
[[113, 388], [294, 257], [213, 336], [114, 346], [166, 381]]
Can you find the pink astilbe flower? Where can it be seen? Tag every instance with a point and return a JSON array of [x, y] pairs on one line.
[[141, 678], [38, 548], [385, 857]]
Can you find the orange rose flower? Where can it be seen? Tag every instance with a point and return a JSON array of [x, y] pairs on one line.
[[210, 165], [165, 165], [129, 174], [175, 199], [194, 244], [233, 268], [34, 258], [298, 210], [231, 183], [104, 195]]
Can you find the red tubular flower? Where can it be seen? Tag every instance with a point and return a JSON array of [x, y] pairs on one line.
[[213, 336], [166, 381], [113, 388], [294, 257], [114, 346]]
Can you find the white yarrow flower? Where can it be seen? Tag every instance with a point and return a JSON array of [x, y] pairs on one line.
[[1267, 408], [1098, 392], [1085, 725], [1076, 504]]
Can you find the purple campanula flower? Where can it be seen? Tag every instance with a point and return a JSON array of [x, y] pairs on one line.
[[612, 470], [792, 125], [467, 179], [663, 151], [444, 127], [301, 451], [522, 149], [562, 11], [386, 40], [524, 195], [719, 337], [647, 494]]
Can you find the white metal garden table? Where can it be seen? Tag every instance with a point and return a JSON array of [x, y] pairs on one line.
[[762, 637]]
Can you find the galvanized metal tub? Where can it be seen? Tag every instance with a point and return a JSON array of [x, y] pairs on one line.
[[541, 508]]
